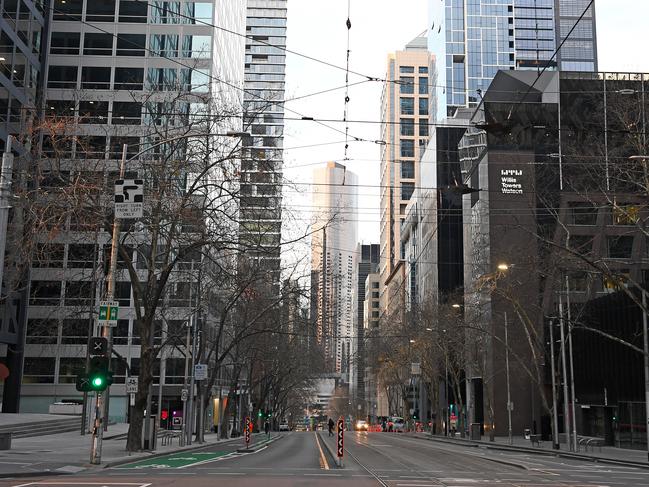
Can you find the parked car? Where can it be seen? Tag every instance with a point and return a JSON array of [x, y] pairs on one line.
[[283, 426], [398, 424], [361, 425]]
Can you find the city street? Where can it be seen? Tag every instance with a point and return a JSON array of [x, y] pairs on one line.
[[374, 459]]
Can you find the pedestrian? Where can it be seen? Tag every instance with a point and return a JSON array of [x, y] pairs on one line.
[[267, 428], [331, 427]]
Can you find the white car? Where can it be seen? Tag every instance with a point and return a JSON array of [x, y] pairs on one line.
[[398, 424], [284, 427]]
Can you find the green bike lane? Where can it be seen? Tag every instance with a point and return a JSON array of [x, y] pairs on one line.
[[191, 458]]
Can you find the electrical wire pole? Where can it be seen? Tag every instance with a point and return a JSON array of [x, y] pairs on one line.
[[555, 415], [566, 417], [509, 397], [646, 361], [101, 411]]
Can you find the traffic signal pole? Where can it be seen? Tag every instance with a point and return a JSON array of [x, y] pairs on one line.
[[101, 409]]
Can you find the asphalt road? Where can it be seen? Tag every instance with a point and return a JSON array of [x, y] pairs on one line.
[[374, 459]]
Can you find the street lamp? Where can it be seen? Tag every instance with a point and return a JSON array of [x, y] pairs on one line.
[[505, 267]]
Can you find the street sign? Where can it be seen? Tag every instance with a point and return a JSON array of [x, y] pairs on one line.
[[131, 385], [83, 383], [97, 346], [129, 198], [200, 371], [340, 444], [108, 311], [184, 395], [415, 368], [247, 428]]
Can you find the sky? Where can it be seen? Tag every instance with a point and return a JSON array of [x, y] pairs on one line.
[[378, 27]]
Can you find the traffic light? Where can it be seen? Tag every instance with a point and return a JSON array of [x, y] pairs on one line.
[[164, 414], [415, 414], [259, 414], [99, 377]]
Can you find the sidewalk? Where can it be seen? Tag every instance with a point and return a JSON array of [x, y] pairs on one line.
[[608, 454], [70, 452]]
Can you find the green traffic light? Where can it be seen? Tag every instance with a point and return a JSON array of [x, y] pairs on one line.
[[259, 414], [97, 381]]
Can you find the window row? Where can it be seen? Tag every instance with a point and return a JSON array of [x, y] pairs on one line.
[[407, 127], [130, 11], [584, 213], [130, 79], [407, 85], [103, 44], [616, 246], [407, 106]]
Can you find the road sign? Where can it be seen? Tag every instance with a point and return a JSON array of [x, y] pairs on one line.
[[340, 444], [247, 428], [129, 198], [97, 346], [415, 368], [200, 371], [108, 312], [83, 383], [131, 385], [184, 394]]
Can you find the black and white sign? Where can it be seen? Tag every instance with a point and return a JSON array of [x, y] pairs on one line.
[[184, 395], [200, 371], [97, 346], [129, 198], [131, 385], [511, 181]]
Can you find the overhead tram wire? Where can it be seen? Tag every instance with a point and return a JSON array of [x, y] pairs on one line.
[[348, 24]]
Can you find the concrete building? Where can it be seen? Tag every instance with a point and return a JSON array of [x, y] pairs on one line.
[[261, 171], [473, 39], [366, 261], [333, 245], [371, 315], [561, 202], [116, 71], [406, 105]]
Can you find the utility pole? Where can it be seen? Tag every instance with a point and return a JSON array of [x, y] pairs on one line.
[[572, 367], [509, 397], [101, 411], [190, 405], [646, 361], [566, 418], [555, 416]]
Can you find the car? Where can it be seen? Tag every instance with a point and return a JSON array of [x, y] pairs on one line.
[[284, 426], [361, 425], [398, 424]]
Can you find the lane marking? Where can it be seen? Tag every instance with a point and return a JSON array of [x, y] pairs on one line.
[[323, 461]]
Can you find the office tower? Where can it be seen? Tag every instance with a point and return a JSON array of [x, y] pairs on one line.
[[405, 114], [473, 39], [333, 245], [261, 171], [366, 261], [118, 72]]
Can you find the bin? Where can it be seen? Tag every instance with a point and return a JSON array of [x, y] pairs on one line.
[[475, 431]]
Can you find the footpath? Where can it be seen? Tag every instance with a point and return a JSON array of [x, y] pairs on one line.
[[605, 454], [66, 453]]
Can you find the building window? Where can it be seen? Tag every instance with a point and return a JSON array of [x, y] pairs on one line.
[[163, 45], [48, 256], [65, 43], [375, 314], [423, 85], [81, 256], [423, 106], [406, 190], [406, 69], [133, 11], [42, 331], [407, 148], [626, 214], [407, 85], [407, 126], [127, 113], [68, 10], [583, 214], [620, 246], [95, 78], [423, 69], [62, 77], [93, 112], [131, 44], [375, 285], [97, 44], [423, 127], [78, 293], [100, 11], [407, 170], [45, 293], [582, 244], [195, 46], [129, 78], [69, 368], [39, 370], [74, 331], [407, 106]]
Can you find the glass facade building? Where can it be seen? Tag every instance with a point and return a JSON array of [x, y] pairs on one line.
[[476, 38]]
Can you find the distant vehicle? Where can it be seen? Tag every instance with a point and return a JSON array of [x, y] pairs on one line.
[[361, 425], [398, 424], [283, 426]]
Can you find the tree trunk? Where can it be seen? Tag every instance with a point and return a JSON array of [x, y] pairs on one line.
[[145, 378]]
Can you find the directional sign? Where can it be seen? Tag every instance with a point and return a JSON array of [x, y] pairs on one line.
[[129, 198], [108, 311], [83, 383], [184, 395], [247, 428], [340, 444], [200, 371], [97, 346], [131, 385]]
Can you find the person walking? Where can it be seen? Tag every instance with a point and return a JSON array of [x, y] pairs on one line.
[[331, 427], [267, 428]]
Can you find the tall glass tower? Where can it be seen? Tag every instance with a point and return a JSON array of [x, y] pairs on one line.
[[473, 39]]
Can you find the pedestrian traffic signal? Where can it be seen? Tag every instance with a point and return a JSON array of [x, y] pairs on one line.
[[164, 414], [259, 414], [100, 378]]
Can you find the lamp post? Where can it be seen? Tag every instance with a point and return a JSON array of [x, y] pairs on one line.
[[504, 268]]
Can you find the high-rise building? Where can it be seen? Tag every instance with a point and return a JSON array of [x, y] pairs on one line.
[[333, 245], [366, 261], [473, 39], [117, 71], [406, 106], [261, 171]]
